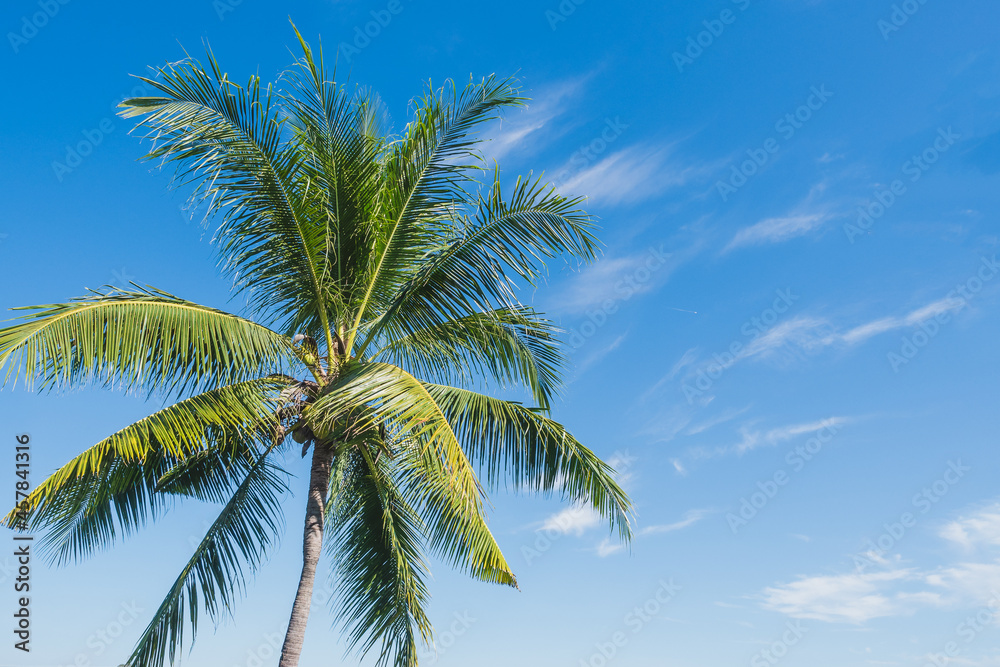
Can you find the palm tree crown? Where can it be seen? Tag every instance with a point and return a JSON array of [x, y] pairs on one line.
[[381, 279]]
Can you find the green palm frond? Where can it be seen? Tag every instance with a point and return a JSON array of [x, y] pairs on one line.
[[139, 338], [209, 475], [513, 346], [457, 529], [445, 485], [226, 140], [376, 543], [341, 137], [512, 443], [469, 273], [394, 397], [113, 486], [248, 525], [423, 181]]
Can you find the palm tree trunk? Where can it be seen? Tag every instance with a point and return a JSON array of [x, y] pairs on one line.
[[312, 546]]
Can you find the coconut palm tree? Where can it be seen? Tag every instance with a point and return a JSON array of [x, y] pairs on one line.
[[381, 279]]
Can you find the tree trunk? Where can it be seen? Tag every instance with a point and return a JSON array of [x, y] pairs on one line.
[[312, 546]]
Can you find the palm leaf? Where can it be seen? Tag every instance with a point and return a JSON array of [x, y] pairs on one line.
[[377, 394], [340, 136], [513, 346], [424, 176], [113, 486], [139, 338], [226, 139], [376, 543], [472, 271], [512, 443], [240, 537]]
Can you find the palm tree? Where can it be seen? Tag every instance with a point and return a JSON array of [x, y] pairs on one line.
[[380, 279]]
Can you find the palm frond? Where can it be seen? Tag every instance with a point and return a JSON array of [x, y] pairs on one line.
[[380, 568], [520, 446], [458, 532], [378, 394], [240, 537], [513, 346], [424, 176], [138, 338], [473, 271], [115, 486], [341, 138], [227, 140]]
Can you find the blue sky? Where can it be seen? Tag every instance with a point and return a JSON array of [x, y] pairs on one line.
[[788, 348]]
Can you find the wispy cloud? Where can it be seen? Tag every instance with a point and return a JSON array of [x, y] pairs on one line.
[[634, 174], [687, 359], [805, 335], [846, 598], [775, 230], [599, 355], [810, 334], [801, 332], [726, 416], [619, 278], [668, 423], [981, 528], [527, 131], [691, 518], [752, 438], [892, 590], [804, 218], [679, 467], [865, 331], [608, 547], [574, 520]]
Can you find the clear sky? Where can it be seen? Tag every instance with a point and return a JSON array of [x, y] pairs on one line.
[[789, 346]]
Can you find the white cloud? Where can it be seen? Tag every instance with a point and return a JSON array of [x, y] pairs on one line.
[[845, 598], [617, 279], [574, 520], [858, 597], [801, 220], [865, 331], [679, 467], [805, 334], [608, 547], [665, 426], [752, 438], [689, 358], [810, 334], [970, 583], [802, 332], [528, 130], [775, 230], [599, 355], [981, 528], [631, 175], [691, 518], [715, 421]]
